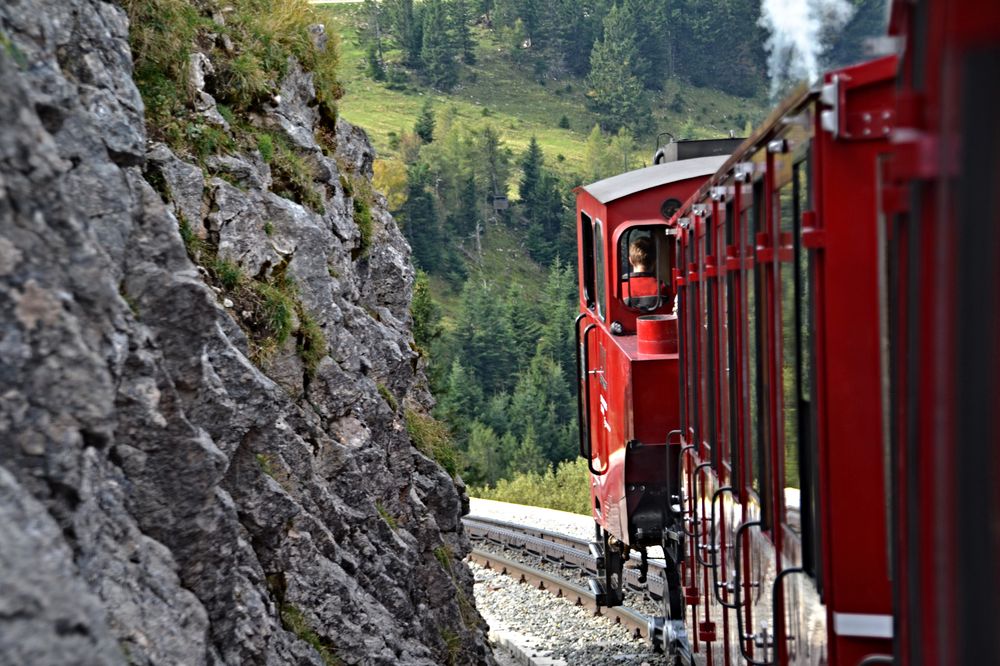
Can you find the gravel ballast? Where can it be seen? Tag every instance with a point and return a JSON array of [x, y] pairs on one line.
[[568, 633]]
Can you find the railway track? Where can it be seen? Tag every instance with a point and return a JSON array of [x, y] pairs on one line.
[[570, 556]]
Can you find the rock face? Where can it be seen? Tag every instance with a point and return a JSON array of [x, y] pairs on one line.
[[164, 500]]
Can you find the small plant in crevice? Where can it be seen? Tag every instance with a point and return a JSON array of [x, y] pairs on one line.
[[129, 301], [387, 395], [294, 177], [229, 273], [389, 519], [363, 218], [274, 312], [293, 620], [312, 345], [363, 198], [265, 144], [452, 645], [265, 463], [443, 555], [268, 229]]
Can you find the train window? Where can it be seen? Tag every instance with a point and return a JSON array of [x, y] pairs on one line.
[[599, 267], [587, 235], [707, 330], [722, 348], [789, 356], [690, 314], [808, 455], [757, 403], [732, 368], [800, 465], [644, 264]]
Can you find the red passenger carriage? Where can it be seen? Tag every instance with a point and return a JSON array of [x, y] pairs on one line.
[[816, 447]]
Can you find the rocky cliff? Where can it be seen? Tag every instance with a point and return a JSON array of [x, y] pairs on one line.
[[204, 457]]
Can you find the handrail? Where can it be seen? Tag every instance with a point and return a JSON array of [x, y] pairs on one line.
[[698, 535], [680, 460], [775, 589], [588, 453], [742, 637], [715, 569], [579, 391]]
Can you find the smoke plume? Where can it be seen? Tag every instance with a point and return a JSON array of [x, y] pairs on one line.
[[798, 31]]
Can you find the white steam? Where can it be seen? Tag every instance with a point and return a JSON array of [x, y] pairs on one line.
[[797, 30]]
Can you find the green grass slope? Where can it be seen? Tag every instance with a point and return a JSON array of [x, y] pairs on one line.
[[495, 90]]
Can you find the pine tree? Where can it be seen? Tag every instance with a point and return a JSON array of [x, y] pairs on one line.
[[420, 222], [460, 19], [521, 323], [596, 158], [559, 305], [486, 460], [406, 29], [616, 92], [375, 68], [480, 334], [425, 312], [531, 175], [463, 399], [437, 52], [541, 403], [424, 127], [528, 459], [492, 161], [648, 18]]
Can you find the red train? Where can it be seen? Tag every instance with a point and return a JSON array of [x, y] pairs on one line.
[[789, 361]]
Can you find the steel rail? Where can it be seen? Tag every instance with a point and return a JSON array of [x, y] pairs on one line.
[[560, 550], [633, 620]]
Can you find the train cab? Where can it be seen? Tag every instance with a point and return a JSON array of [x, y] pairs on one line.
[[627, 350]]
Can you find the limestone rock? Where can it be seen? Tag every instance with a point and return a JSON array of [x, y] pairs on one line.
[[169, 493]]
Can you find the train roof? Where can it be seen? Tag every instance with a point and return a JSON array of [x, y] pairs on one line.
[[624, 184]]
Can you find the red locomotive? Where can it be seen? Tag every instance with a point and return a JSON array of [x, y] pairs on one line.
[[811, 436]]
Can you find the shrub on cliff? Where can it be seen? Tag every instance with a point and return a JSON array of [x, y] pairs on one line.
[[249, 43]]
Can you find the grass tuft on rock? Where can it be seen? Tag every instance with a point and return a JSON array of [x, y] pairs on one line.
[[387, 395], [431, 437], [250, 51], [389, 519], [294, 621], [294, 176], [312, 345]]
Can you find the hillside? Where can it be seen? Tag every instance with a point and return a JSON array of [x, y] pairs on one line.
[[486, 116], [493, 326], [499, 91]]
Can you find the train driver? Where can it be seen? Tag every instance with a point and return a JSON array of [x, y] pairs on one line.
[[640, 289]]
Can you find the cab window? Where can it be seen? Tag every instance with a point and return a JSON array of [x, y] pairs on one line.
[[587, 234], [644, 266], [599, 266]]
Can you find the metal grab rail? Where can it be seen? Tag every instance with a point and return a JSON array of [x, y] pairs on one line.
[[583, 433], [680, 460], [715, 569], [697, 534], [587, 452], [742, 636], [775, 589]]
